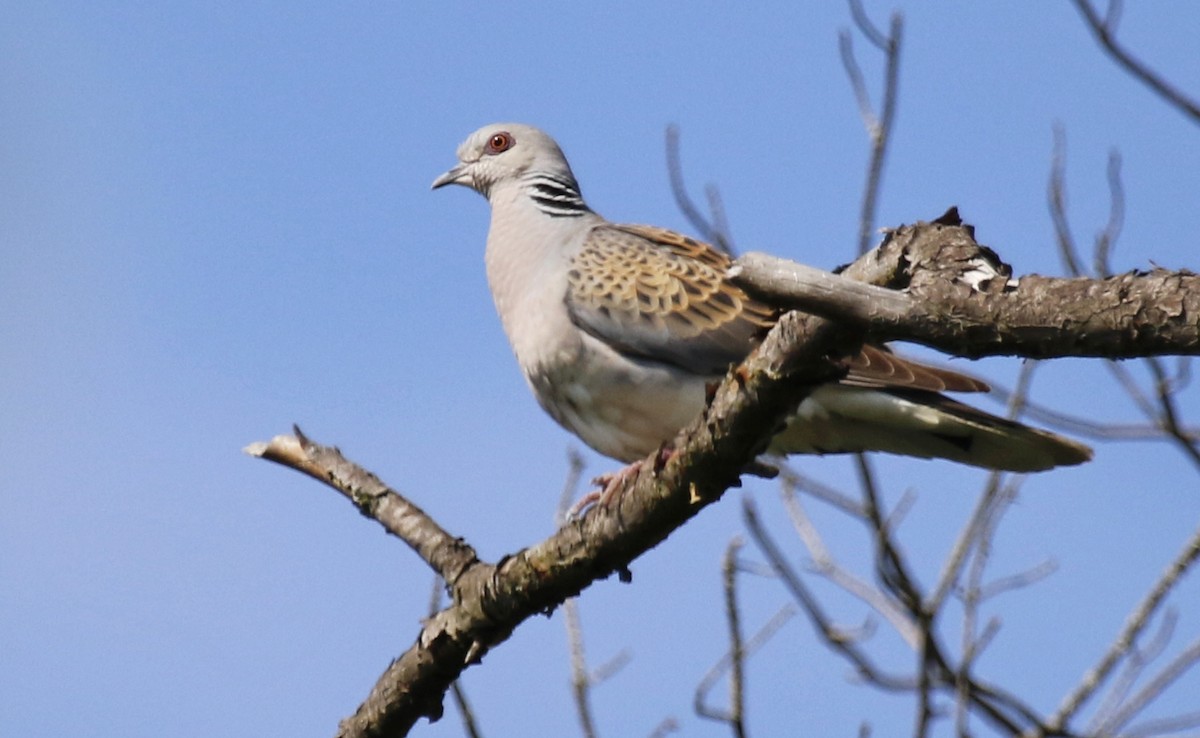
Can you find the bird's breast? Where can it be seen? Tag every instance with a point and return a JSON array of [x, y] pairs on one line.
[[622, 407]]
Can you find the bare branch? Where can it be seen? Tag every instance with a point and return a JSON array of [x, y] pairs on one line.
[[490, 600], [715, 231], [823, 492], [1134, 626], [879, 128], [1087, 427], [1107, 238], [1163, 726], [866, 27], [1170, 674], [735, 659], [959, 299], [570, 490], [970, 536], [447, 555], [935, 673], [459, 695], [1105, 31], [740, 650], [825, 565], [832, 635], [581, 682], [1056, 195], [1134, 666], [1020, 580], [1169, 412], [800, 353]]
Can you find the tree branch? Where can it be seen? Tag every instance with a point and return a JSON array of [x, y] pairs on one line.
[[489, 601], [447, 555], [1105, 31], [879, 127], [958, 297], [953, 288], [1134, 626]]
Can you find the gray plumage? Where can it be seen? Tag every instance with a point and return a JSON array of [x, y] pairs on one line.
[[618, 328]]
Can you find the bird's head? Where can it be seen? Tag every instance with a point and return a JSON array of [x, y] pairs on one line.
[[503, 153]]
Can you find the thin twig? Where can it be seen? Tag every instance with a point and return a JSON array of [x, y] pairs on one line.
[[1130, 386], [925, 685], [826, 566], [457, 693], [447, 555], [1087, 427], [1170, 674], [720, 220], [668, 725], [715, 231], [976, 537], [967, 539], [890, 563], [1020, 580], [1134, 626], [1163, 726], [570, 490], [820, 491], [1107, 238], [1056, 196], [1105, 31], [736, 657], [831, 635], [879, 128], [1169, 412], [1139, 658], [749, 647], [866, 27], [581, 682]]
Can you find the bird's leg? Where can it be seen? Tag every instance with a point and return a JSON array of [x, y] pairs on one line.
[[612, 483]]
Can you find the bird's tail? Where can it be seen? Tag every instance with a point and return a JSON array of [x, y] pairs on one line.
[[841, 419]]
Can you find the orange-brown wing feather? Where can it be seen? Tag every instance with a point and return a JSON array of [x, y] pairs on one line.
[[661, 295], [877, 366]]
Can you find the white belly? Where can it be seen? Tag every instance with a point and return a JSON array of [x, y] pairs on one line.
[[621, 407]]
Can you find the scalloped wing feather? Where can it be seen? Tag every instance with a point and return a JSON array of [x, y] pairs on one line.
[[660, 295], [877, 367]]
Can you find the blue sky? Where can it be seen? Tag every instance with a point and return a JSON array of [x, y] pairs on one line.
[[215, 220]]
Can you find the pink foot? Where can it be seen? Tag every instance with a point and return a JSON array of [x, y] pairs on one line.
[[611, 483]]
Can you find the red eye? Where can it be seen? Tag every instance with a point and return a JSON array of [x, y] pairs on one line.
[[499, 142]]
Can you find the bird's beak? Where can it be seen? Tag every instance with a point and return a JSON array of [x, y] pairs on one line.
[[456, 175]]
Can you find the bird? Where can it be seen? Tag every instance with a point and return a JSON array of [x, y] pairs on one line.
[[620, 329]]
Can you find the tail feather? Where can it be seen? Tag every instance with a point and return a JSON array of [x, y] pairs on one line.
[[841, 419]]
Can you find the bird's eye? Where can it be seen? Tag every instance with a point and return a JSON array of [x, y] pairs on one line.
[[499, 142]]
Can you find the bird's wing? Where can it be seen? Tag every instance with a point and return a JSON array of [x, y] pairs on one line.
[[659, 295], [877, 367], [656, 294]]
